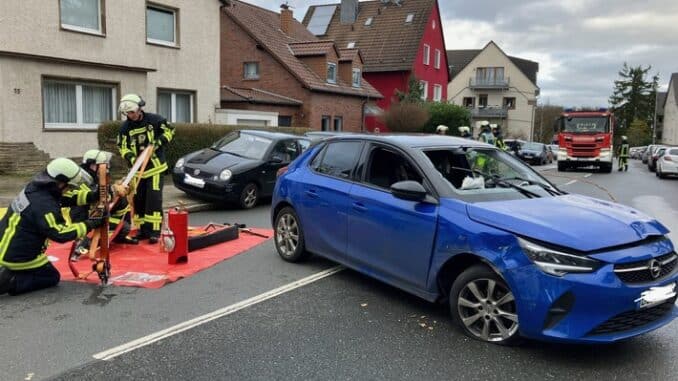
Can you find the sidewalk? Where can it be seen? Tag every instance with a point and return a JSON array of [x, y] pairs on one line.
[[10, 185]]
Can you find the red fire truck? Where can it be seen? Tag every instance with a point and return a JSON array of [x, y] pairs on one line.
[[585, 139]]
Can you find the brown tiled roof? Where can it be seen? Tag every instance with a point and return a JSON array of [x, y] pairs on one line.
[[459, 59], [264, 27], [389, 43], [311, 48], [252, 95], [349, 54]]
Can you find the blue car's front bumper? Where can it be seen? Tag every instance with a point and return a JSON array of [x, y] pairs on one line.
[[585, 308]]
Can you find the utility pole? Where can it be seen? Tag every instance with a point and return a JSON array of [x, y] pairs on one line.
[[654, 123]]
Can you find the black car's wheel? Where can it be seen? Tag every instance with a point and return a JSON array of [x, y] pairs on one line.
[[249, 196], [483, 305], [288, 236]]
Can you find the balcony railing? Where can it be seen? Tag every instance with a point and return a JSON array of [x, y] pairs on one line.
[[489, 112], [489, 83]]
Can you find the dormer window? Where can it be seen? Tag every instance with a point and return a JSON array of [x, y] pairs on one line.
[[331, 72], [357, 75], [351, 45], [409, 18], [368, 22]]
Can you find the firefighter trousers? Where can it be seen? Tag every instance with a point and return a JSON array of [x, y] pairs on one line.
[[148, 205], [623, 163], [34, 279]]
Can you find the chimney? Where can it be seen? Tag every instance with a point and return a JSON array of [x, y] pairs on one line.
[[349, 11], [285, 19]]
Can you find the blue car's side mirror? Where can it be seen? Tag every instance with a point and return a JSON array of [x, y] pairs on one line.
[[409, 190]]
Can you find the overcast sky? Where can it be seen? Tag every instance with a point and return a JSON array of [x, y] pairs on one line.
[[580, 44]]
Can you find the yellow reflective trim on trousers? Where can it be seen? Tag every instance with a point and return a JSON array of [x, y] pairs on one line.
[[40, 261], [9, 233], [79, 228], [154, 219], [114, 220], [156, 183]]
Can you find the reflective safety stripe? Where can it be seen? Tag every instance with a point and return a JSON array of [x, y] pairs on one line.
[[9, 233], [40, 261], [156, 170], [79, 228], [154, 219], [82, 195], [124, 150], [137, 131], [156, 182]]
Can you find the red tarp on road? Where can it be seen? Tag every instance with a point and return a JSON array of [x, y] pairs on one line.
[[145, 265]]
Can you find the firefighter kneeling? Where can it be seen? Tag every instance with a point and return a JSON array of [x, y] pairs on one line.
[[34, 217]]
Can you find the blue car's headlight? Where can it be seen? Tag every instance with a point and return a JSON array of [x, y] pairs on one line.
[[225, 175], [555, 262]]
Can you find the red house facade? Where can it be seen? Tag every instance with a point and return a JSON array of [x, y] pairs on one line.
[[396, 38]]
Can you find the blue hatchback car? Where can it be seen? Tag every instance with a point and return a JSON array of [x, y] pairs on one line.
[[461, 222]]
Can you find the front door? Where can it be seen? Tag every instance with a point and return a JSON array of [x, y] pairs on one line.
[[391, 236]]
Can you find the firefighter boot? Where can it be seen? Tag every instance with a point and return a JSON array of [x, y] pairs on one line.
[[6, 280]]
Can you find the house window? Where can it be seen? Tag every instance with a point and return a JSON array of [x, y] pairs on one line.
[[284, 121], [161, 25], [69, 104], [338, 123], [424, 89], [482, 100], [409, 18], [332, 72], [176, 106], [510, 103], [357, 75], [82, 15], [350, 45], [436, 60], [437, 93], [251, 70], [469, 102], [368, 22], [489, 75], [325, 123], [427, 53]]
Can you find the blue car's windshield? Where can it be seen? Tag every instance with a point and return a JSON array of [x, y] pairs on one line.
[[244, 145], [475, 171]]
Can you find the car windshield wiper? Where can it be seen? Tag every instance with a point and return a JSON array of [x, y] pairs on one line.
[[233, 153], [552, 190], [500, 181]]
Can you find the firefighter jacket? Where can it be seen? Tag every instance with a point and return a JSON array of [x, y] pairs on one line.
[[81, 199], [624, 150], [135, 136], [32, 218]]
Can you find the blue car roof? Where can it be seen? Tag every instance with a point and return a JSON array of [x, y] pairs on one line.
[[416, 140]]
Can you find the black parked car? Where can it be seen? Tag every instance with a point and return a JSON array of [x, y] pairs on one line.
[[533, 153], [240, 167]]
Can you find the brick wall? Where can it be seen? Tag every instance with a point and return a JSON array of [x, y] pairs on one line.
[[238, 47]]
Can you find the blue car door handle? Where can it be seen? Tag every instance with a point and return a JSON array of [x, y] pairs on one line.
[[359, 207], [312, 193]]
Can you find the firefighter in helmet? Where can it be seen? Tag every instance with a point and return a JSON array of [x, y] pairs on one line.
[[498, 137], [442, 129], [465, 132], [486, 133], [33, 218], [623, 154], [140, 130]]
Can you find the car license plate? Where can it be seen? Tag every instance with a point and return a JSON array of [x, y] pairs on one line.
[[656, 295], [190, 180]]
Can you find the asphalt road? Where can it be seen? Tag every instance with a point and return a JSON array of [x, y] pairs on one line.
[[344, 326]]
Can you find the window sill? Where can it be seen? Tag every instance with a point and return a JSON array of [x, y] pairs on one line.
[[74, 29], [70, 127], [162, 44], [251, 79]]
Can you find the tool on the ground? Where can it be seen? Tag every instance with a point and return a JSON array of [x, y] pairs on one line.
[[211, 234], [244, 229]]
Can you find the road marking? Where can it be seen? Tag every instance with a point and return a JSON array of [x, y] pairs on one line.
[[569, 183], [157, 336], [588, 175]]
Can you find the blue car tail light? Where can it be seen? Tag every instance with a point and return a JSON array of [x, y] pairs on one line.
[[555, 262]]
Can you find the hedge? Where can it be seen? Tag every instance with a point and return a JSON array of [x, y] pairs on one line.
[[188, 137]]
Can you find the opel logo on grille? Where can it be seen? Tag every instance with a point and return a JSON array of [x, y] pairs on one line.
[[655, 268], [196, 172]]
